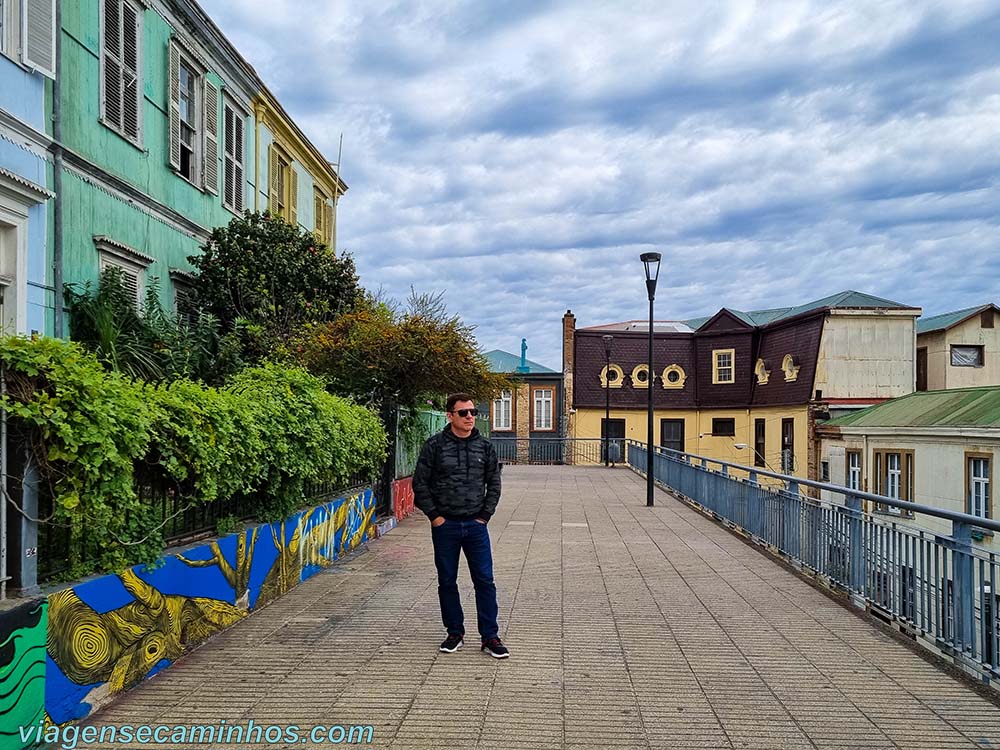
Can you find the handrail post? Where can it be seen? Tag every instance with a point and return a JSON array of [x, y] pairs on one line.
[[793, 514], [857, 550], [964, 585]]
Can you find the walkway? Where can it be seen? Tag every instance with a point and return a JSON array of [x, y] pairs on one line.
[[629, 628]]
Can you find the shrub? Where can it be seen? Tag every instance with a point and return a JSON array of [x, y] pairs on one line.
[[264, 436]]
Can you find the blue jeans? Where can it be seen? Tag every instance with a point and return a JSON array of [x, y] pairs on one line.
[[450, 538]]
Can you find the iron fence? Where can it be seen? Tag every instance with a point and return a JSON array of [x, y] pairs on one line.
[[569, 451], [939, 588]]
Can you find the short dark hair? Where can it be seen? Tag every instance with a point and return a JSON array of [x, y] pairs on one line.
[[455, 398]]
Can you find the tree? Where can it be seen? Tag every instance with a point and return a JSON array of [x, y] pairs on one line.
[[265, 279], [386, 358]]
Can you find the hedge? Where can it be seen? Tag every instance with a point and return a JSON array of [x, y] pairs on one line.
[[265, 434]]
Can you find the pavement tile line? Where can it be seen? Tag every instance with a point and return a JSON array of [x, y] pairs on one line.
[[621, 632], [789, 601], [748, 660]]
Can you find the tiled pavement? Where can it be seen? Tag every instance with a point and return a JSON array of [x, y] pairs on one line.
[[629, 627]]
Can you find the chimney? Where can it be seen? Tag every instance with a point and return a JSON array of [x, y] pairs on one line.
[[569, 358]]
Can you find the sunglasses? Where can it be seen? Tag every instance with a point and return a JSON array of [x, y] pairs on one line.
[[466, 412]]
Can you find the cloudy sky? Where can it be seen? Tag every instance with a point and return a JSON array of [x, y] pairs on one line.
[[520, 155]]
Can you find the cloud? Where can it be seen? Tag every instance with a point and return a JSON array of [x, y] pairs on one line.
[[522, 155]]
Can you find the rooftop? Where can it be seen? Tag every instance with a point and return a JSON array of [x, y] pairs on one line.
[[642, 326], [846, 300], [501, 361], [946, 320], [958, 407]]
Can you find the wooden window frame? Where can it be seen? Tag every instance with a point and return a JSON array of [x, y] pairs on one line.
[[723, 419], [979, 347], [716, 353], [552, 390], [880, 477], [513, 415], [113, 253], [969, 456], [987, 318], [861, 469]]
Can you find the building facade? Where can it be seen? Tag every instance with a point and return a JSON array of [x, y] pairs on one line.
[[960, 349], [526, 419], [741, 387], [300, 185], [163, 124], [937, 448], [27, 67]]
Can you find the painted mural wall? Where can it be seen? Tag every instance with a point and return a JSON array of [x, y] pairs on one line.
[[108, 634], [22, 670], [402, 497]]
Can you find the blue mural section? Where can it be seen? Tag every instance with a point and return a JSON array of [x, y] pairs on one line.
[[108, 634]]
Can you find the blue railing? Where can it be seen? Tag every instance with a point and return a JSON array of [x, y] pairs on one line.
[[939, 588]]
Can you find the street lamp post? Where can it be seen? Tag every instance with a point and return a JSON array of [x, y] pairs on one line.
[[651, 261], [608, 341]]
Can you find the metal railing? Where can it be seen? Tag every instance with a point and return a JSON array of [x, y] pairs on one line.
[[548, 451], [938, 588]]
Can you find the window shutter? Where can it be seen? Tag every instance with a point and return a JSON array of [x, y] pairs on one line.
[[318, 216], [38, 29], [275, 169], [293, 196], [238, 176], [132, 91], [328, 225], [210, 164], [110, 56], [229, 165], [175, 106]]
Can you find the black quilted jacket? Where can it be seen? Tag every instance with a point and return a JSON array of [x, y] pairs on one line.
[[458, 478]]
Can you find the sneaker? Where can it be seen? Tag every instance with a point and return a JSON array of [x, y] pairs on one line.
[[495, 648], [451, 644]]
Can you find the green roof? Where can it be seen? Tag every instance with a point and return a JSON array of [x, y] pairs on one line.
[[958, 407], [845, 299], [501, 361], [947, 320]]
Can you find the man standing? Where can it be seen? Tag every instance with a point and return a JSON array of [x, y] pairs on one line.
[[457, 484]]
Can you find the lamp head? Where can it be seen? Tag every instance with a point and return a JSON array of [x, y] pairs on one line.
[[608, 341], [651, 262]]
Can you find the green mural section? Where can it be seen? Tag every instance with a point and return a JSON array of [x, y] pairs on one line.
[[22, 671]]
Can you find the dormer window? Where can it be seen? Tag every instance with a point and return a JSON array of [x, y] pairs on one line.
[[673, 377], [762, 372], [612, 377], [640, 376], [790, 365], [723, 366]]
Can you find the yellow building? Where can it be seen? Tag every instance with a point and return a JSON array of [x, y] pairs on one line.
[[743, 387], [298, 183]]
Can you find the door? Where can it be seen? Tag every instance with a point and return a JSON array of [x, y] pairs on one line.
[[787, 446], [672, 434], [613, 440], [922, 368]]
